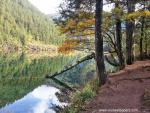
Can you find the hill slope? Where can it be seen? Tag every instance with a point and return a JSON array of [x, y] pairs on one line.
[[21, 23]]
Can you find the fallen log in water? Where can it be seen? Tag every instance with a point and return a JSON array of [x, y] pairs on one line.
[[91, 56], [63, 84]]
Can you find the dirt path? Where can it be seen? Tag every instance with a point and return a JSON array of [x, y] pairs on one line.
[[124, 93]]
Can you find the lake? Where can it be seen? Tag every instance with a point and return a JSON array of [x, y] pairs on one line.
[[24, 88]]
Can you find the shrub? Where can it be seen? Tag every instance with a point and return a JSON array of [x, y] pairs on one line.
[[79, 98]]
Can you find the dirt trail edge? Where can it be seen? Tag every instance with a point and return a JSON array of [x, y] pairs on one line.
[[128, 91]]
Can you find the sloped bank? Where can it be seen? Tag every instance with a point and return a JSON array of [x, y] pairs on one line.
[[125, 91]]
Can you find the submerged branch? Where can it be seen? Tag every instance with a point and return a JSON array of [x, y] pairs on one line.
[[63, 84], [91, 56]]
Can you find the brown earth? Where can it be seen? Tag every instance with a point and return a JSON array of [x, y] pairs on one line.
[[127, 91]]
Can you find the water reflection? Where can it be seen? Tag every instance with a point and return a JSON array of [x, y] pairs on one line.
[[40, 100], [21, 64], [20, 73], [16, 88]]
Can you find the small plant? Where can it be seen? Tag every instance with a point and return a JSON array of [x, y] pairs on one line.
[[80, 98], [86, 94]]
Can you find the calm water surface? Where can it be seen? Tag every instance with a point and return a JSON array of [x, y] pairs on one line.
[[40, 100], [23, 87]]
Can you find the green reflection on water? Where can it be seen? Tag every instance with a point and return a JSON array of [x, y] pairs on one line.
[[13, 89], [20, 73], [16, 65]]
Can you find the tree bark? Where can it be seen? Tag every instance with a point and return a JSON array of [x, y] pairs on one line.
[[119, 40], [141, 39], [142, 36], [146, 47], [129, 33], [99, 55]]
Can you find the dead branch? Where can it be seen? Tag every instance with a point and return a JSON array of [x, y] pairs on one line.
[[63, 84], [91, 56]]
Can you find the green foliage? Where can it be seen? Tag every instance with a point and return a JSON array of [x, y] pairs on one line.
[[84, 95], [20, 23], [80, 98]]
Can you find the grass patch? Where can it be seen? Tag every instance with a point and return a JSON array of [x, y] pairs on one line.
[[81, 97]]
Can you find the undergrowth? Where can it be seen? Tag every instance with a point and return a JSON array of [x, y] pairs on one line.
[[81, 97]]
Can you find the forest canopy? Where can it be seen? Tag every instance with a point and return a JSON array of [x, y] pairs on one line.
[[21, 23]]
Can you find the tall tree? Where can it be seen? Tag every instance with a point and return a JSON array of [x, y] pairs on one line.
[[141, 39], [99, 56], [119, 38], [129, 33], [142, 34]]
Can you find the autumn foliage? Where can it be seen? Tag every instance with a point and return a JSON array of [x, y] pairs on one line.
[[138, 14], [68, 46]]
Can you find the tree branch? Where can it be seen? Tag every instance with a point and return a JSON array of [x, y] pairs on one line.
[[91, 56], [63, 84]]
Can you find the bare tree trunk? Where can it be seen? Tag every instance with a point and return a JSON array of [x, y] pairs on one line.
[[142, 36], [99, 55], [129, 34], [119, 40], [141, 39], [119, 44], [146, 47]]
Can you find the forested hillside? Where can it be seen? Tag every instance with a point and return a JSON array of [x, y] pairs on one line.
[[21, 24]]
